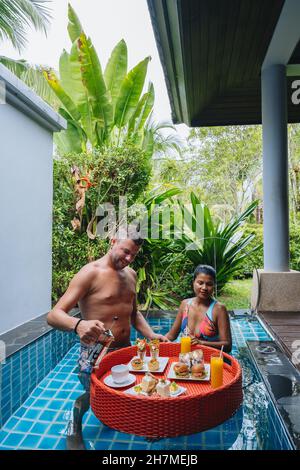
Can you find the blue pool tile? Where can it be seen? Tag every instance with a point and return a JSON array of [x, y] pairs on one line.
[[56, 430], [24, 426], [139, 446], [32, 413], [102, 445], [61, 445], [47, 394], [55, 384], [13, 439], [119, 446], [39, 428], [48, 443], [30, 441], [92, 420], [91, 432], [55, 404], [107, 433], [122, 436], [3, 436], [212, 438], [11, 423], [63, 394], [40, 403], [47, 416]]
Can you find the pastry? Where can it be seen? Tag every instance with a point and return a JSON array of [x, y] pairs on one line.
[[153, 365], [197, 356], [181, 369], [148, 383], [163, 388], [137, 363]]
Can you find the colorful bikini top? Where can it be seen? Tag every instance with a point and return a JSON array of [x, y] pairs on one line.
[[206, 329]]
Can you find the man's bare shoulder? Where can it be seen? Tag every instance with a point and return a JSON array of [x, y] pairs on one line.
[[130, 272], [91, 270]]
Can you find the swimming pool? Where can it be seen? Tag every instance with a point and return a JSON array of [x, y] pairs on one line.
[[41, 422]]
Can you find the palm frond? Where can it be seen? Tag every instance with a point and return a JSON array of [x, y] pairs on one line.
[[17, 15]]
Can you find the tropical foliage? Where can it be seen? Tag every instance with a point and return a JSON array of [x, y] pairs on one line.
[[217, 244], [102, 108], [16, 15]]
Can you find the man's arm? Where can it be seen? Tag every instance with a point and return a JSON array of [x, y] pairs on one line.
[[80, 285]]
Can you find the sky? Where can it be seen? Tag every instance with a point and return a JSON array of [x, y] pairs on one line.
[[106, 22]]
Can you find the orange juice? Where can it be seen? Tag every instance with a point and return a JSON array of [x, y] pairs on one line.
[[185, 344], [216, 370]]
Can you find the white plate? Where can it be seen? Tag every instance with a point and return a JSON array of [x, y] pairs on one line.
[[131, 391], [109, 381], [163, 361], [206, 378]]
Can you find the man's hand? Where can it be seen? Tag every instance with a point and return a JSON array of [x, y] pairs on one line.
[[90, 330], [162, 338]]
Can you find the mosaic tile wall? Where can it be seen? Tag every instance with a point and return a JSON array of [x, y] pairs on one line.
[[25, 369]]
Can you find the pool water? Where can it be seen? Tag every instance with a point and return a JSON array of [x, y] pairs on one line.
[[42, 420]]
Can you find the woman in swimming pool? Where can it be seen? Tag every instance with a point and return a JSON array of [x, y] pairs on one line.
[[203, 317]]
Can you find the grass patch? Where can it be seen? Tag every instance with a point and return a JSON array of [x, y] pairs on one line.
[[236, 294]]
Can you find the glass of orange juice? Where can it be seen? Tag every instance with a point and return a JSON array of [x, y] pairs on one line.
[[185, 344], [216, 370]]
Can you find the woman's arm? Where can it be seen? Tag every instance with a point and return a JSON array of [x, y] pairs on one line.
[[175, 330], [223, 323]]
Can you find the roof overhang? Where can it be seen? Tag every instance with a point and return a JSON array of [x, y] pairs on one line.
[[212, 52], [23, 98]]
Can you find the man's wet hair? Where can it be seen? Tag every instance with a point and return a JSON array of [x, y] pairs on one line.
[[132, 233], [205, 269]]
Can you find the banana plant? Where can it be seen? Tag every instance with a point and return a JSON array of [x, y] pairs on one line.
[[220, 245], [102, 108]]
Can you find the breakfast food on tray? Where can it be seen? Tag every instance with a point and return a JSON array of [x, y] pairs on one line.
[[185, 358], [137, 388], [198, 370], [163, 388], [154, 347], [174, 388], [141, 344], [181, 369], [197, 356], [141, 347], [148, 383], [153, 365], [137, 363]]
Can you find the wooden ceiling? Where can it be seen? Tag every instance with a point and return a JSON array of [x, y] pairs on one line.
[[212, 52]]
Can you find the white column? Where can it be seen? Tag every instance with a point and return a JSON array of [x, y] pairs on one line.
[[275, 169]]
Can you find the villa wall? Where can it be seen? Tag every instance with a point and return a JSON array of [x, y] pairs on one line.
[[26, 149]]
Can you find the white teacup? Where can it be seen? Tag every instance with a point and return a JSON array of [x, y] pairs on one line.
[[120, 373]]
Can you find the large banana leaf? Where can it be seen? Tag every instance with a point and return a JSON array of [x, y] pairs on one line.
[[74, 25], [93, 80], [65, 99], [130, 92], [142, 111], [70, 74], [116, 70]]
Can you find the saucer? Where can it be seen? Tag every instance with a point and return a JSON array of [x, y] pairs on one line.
[[109, 381]]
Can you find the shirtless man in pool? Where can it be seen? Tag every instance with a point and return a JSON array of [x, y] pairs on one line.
[[103, 289]]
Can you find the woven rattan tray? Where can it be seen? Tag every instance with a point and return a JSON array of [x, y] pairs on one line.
[[200, 408]]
